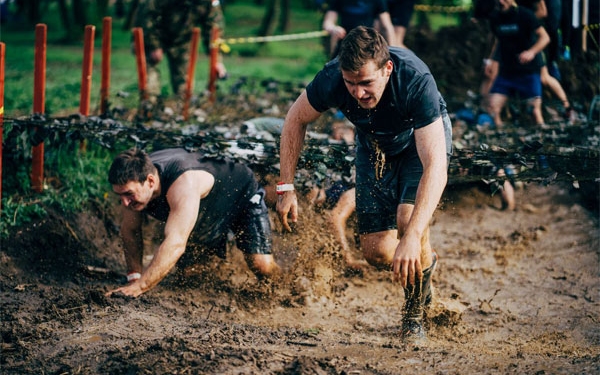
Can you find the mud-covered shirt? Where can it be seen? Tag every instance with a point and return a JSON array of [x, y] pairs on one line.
[[516, 32], [411, 100], [353, 13], [234, 185]]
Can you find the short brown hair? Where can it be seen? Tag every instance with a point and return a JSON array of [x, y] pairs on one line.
[[131, 165], [361, 45]]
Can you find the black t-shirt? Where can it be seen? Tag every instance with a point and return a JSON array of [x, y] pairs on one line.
[[234, 186], [353, 13], [411, 100], [515, 31]]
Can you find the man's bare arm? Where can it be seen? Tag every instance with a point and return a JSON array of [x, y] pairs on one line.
[[131, 234], [183, 197], [292, 138], [431, 147]]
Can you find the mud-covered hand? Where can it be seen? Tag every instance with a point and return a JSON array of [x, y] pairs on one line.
[[287, 209], [133, 289], [406, 264]]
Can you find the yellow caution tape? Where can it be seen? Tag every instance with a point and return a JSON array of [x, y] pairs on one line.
[[1, 110], [225, 48], [270, 38]]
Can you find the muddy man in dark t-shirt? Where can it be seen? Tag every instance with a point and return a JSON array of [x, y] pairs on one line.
[[403, 143], [200, 200]]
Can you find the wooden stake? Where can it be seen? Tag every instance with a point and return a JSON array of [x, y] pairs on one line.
[[39, 93], [105, 78]]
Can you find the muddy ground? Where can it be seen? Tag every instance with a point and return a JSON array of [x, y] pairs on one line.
[[516, 292]]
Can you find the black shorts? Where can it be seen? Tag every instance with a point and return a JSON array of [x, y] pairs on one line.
[[250, 226], [401, 11], [377, 200]]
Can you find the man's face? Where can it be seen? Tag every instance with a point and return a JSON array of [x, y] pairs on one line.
[[135, 195], [368, 84]]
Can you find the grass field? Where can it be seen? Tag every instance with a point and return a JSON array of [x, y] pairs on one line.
[[295, 60]]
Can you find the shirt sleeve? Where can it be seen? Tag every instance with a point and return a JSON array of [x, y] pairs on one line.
[[326, 90], [424, 100]]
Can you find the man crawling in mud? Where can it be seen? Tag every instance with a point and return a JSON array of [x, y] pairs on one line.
[[403, 144], [199, 199]]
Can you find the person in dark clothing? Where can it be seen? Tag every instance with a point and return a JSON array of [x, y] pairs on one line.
[[401, 12], [200, 200], [403, 145], [353, 13], [520, 39]]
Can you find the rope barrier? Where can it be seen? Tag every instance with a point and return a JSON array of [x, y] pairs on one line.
[[223, 44]]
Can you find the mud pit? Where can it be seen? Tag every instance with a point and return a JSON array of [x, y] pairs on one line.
[[516, 292]]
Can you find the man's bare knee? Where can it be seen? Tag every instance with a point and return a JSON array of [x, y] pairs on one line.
[[379, 248]]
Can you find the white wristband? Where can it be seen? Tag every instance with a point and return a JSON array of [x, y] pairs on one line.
[[282, 188], [133, 276]]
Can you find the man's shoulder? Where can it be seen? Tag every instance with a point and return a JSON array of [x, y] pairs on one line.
[[406, 60]]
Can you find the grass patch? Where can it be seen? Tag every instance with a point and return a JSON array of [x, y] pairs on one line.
[[286, 61]]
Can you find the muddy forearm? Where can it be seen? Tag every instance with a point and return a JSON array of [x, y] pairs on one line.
[[133, 248], [163, 262]]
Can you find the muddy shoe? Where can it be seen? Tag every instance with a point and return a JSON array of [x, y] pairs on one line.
[[427, 288], [412, 330], [417, 297]]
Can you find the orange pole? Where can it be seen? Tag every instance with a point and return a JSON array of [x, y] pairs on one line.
[[39, 92], [189, 84], [105, 80], [86, 71], [86, 75], [138, 40], [2, 56], [214, 56]]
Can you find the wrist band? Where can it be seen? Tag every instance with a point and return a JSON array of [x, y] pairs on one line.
[[132, 276], [282, 187]]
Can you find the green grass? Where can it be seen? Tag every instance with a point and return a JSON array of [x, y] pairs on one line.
[[295, 61], [285, 61]]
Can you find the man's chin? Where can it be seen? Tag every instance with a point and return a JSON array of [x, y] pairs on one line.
[[370, 104]]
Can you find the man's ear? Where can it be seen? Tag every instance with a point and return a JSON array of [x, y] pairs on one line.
[[151, 178], [389, 67]]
